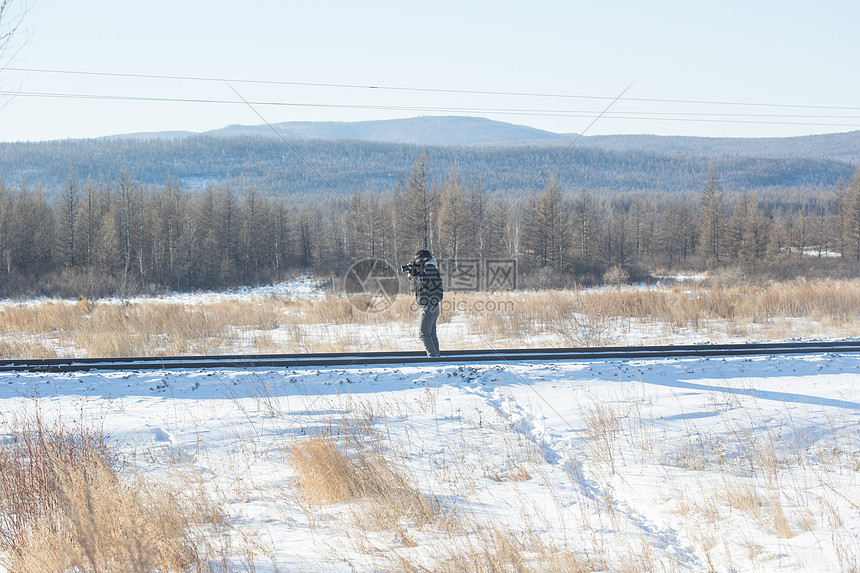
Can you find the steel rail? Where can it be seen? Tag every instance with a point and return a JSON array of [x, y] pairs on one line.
[[360, 359]]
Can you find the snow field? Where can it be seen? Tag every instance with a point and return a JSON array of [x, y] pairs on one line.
[[744, 464]]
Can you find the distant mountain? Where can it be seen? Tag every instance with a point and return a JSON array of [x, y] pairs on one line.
[[151, 135], [449, 130], [836, 146], [482, 132]]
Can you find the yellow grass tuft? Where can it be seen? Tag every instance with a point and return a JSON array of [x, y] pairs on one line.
[[780, 521], [64, 508], [744, 497], [327, 474]]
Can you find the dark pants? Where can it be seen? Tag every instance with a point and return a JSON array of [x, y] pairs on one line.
[[427, 316]]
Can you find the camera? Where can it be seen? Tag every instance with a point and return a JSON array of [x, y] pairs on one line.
[[412, 268]]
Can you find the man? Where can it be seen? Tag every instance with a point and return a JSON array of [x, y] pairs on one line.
[[427, 283]]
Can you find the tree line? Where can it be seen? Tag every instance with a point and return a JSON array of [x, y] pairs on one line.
[[126, 237]]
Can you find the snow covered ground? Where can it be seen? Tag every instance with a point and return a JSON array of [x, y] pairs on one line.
[[735, 464]]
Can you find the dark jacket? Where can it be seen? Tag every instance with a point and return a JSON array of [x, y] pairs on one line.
[[427, 284]]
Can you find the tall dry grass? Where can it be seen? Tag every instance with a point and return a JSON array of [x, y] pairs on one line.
[[820, 308], [64, 508], [355, 466], [331, 470], [597, 317]]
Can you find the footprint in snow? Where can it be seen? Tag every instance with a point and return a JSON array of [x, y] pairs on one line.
[[161, 435]]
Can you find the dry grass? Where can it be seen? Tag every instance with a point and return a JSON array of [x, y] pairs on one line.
[[499, 550], [570, 317], [780, 521], [20, 349], [602, 428], [744, 497], [767, 511], [590, 318], [353, 471], [65, 508], [349, 466]]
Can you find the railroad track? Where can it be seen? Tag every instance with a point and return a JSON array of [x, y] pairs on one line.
[[359, 359]]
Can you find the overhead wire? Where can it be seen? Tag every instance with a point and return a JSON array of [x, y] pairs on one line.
[[573, 142], [425, 89], [292, 147], [690, 117]]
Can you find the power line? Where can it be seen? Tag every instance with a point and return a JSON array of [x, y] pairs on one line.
[[569, 146], [627, 115], [292, 148], [426, 89]]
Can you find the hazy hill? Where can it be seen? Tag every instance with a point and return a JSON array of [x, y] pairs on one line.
[[151, 135], [837, 146], [473, 131], [480, 132]]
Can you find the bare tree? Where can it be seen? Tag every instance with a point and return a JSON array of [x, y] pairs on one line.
[[11, 16], [477, 209], [420, 202], [712, 217], [452, 218], [364, 218], [69, 214], [10, 22], [584, 222], [127, 208], [6, 221], [547, 227], [251, 239], [850, 210], [227, 226]]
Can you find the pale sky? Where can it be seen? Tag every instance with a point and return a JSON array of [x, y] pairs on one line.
[[691, 63]]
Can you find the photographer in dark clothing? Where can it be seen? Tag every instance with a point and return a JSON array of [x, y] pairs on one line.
[[427, 284]]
